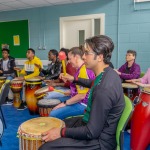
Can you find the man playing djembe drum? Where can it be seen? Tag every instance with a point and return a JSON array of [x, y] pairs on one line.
[[97, 128]]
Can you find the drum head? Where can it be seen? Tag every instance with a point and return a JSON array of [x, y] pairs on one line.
[[16, 81], [129, 85], [39, 125], [42, 90], [33, 80], [2, 78], [48, 102], [146, 90]]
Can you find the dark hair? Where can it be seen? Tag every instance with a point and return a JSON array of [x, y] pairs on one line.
[[54, 52], [77, 51], [32, 50], [133, 52], [65, 50], [5, 49], [101, 44]]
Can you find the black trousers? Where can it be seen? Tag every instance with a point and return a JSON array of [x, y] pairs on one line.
[[72, 144]]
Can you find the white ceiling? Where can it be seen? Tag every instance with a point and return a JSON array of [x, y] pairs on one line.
[[7, 5]]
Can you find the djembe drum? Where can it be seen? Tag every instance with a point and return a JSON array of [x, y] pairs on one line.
[[140, 123], [16, 87], [29, 132], [2, 81], [46, 105], [130, 90], [32, 85], [40, 93]]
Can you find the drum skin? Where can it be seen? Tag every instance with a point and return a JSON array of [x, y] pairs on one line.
[[31, 100], [30, 131], [140, 124]]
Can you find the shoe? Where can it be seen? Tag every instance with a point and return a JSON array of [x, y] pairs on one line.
[[22, 107], [8, 102]]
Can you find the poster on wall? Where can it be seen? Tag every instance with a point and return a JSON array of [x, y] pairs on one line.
[[16, 39]]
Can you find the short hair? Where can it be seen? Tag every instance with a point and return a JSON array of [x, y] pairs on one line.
[[32, 50], [76, 51], [5, 49], [101, 44], [54, 52], [65, 50], [133, 52]]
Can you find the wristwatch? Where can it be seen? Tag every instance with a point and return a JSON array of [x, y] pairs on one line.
[[65, 102]]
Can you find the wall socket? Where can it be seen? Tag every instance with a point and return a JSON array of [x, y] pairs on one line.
[[44, 47], [39, 48]]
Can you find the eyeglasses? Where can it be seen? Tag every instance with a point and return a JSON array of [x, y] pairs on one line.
[[88, 53]]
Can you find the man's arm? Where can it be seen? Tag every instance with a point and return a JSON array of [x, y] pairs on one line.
[[100, 108]]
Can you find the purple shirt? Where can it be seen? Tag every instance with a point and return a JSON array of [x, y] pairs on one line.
[[73, 88], [133, 72], [146, 78]]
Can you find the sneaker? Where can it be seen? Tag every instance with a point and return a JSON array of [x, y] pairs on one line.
[[129, 131], [22, 107], [8, 102]]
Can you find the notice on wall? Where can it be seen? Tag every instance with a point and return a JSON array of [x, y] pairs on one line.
[[16, 39]]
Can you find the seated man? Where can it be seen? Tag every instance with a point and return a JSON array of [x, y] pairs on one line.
[[30, 70], [7, 65], [79, 94], [130, 70], [97, 128], [54, 68], [58, 83]]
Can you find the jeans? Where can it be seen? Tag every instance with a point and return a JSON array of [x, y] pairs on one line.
[[68, 111], [55, 94]]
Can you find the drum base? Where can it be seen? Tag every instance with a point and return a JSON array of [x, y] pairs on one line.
[[17, 100]]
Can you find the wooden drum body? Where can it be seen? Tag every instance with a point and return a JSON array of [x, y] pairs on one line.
[[2, 81], [40, 93], [29, 132], [16, 87], [31, 86], [130, 90], [46, 105], [140, 124]]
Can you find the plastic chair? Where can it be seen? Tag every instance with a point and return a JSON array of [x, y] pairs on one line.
[[126, 114], [4, 93]]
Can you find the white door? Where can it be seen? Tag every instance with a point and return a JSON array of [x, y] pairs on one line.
[[74, 30]]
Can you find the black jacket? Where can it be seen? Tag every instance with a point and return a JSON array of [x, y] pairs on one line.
[[11, 64], [107, 106], [53, 71]]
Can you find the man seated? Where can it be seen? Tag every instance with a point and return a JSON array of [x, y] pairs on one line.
[[54, 68], [97, 128], [79, 94], [7, 65], [29, 70], [130, 70]]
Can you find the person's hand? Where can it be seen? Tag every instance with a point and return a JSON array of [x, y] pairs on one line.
[[51, 135], [130, 81], [138, 83], [50, 82], [59, 106], [39, 77], [17, 69], [1, 71], [119, 73], [67, 93], [66, 77]]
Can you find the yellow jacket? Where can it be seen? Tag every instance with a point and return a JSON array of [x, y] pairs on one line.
[[30, 70]]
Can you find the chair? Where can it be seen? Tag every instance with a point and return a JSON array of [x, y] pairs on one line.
[[4, 93], [126, 114]]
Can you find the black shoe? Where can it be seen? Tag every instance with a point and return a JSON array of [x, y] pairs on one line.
[[8, 102], [22, 107]]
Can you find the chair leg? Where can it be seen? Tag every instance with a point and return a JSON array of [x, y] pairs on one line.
[[3, 117]]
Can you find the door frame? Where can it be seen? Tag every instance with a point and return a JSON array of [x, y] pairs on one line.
[[62, 21]]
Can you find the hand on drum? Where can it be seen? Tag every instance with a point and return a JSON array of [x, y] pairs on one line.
[[17, 68], [59, 106], [51, 135], [19, 78], [50, 82], [66, 77], [67, 93], [1, 71]]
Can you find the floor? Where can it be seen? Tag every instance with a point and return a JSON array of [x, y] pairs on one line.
[[15, 117]]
